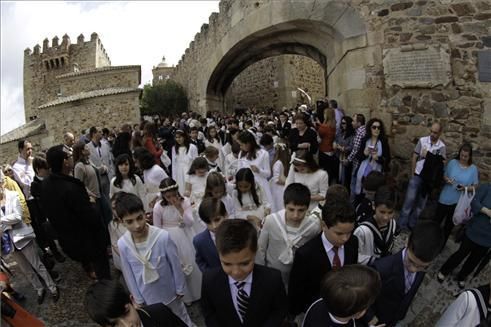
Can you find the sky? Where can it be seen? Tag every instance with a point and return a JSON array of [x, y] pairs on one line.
[[133, 33]]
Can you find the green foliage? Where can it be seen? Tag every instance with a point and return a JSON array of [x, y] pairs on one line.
[[167, 98]]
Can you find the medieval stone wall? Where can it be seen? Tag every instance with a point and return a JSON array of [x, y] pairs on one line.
[[273, 83], [119, 76]]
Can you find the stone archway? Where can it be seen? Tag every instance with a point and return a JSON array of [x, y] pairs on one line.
[[326, 32]]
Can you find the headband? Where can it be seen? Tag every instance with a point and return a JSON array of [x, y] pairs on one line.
[[168, 188]]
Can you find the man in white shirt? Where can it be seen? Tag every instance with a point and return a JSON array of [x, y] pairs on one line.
[[415, 200], [22, 168]]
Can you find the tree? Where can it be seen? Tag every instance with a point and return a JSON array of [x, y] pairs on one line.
[[168, 98]]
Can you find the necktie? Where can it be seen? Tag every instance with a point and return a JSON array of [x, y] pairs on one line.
[[336, 262], [242, 299], [407, 282]]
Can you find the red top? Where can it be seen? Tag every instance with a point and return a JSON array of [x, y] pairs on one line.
[[150, 146], [327, 134]]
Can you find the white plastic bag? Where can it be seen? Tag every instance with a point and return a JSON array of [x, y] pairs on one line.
[[463, 211]]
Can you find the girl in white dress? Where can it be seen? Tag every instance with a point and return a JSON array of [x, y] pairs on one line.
[[126, 180], [116, 230], [216, 188], [231, 162], [305, 170], [281, 165], [249, 200], [174, 214], [196, 181], [213, 140], [153, 175], [253, 157], [183, 154]]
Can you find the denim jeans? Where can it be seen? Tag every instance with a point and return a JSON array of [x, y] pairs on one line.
[[413, 204]]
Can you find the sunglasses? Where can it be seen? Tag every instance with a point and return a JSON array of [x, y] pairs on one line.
[[376, 127]]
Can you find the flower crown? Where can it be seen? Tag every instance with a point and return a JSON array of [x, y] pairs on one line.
[[168, 188]]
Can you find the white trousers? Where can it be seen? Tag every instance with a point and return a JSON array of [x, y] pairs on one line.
[[29, 261], [179, 309]]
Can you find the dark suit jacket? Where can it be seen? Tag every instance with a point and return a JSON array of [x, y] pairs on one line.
[[158, 315], [392, 303], [310, 265], [284, 131], [206, 251], [267, 301]]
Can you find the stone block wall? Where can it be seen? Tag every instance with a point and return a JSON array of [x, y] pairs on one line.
[[273, 82], [9, 152], [108, 111], [124, 76]]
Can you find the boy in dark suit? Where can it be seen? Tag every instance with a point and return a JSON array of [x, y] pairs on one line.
[[108, 304], [334, 248], [346, 294], [241, 293], [212, 212], [403, 272]]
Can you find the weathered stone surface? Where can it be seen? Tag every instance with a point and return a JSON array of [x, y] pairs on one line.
[[427, 20], [482, 16], [401, 6], [463, 9], [440, 110], [446, 19]]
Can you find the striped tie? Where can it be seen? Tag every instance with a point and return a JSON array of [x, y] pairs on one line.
[[242, 299]]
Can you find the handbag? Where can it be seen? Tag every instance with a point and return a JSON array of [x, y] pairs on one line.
[[463, 212], [7, 245]]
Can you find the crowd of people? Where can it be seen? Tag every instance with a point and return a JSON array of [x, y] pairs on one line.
[[267, 218]]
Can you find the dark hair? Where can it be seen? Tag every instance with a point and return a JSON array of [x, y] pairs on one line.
[[310, 162], [211, 208], [466, 147], [208, 136], [349, 130], [350, 289], [173, 187], [303, 117], [121, 159], [198, 163], [150, 129], [334, 212], [210, 151], [426, 241], [127, 204], [337, 192], [235, 147], [247, 137], [333, 103], [21, 144], [384, 159], [144, 157], [106, 300], [385, 196], [282, 154], [39, 162], [92, 131], [55, 157], [234, 235], [105, 131], [373, 180], [214, 179], [360, 118], [368, 127], [296, 194], [122, 144], [77, 151], [266, 139], [187, 142], [246, 175]]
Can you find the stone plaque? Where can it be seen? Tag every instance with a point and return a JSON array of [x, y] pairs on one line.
[[484, 65], [417, 66]]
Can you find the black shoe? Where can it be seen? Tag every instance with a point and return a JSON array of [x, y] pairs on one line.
[[56, 295], [41, 296], [59, 257], [55, 276]]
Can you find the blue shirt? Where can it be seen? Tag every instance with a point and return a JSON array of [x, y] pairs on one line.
[[479, 227], [464, 176]]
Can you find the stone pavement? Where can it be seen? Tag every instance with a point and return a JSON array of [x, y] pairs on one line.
[[430, 302]]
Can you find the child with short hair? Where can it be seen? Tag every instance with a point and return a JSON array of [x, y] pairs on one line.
[[257, 292], [376, 234], [364, 201], [249, 200], [402, 274], [232, 161], [108, 304], [332, 249], [212, 212], [287, 230], [149, 260], [346, 295], [216, 187], [212, 156]]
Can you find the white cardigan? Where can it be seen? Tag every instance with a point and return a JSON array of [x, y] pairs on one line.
[[21, 233], [461, 312]]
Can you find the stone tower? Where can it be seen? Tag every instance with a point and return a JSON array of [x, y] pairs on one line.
[[41, 68], [162, 72]]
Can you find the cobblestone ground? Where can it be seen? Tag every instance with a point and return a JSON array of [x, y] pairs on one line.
[[429, 304]]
